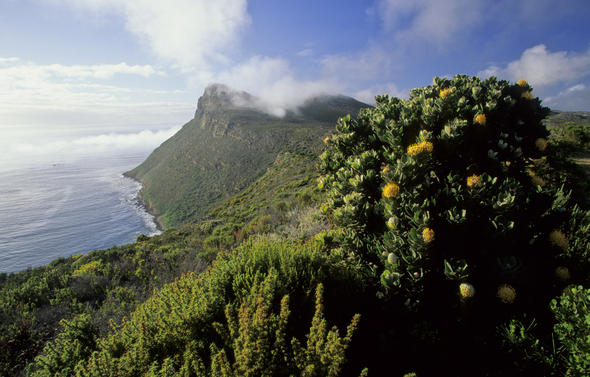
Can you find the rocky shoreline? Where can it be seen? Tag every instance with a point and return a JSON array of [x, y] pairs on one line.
[[159, 226]]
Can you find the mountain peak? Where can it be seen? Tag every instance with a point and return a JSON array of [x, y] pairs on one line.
[[219, 98], [220, 95]]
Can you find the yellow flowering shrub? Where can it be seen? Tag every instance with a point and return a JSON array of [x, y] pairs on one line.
[[466, 290], [390, 190], [88, 268], [471, 208], [480, 119], [427, 146], [473, 181], [428, 235], [506, 293], [444, 92], [414, 149], [423, 146], [559, 239]]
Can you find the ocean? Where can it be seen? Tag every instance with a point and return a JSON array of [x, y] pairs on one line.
[[59, 206]]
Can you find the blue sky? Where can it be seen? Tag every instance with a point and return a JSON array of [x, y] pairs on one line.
[[132, 65]]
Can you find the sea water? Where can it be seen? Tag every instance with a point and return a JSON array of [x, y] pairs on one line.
[[55, 208]]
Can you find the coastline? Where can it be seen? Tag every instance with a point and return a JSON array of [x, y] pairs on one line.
[[159, 226]]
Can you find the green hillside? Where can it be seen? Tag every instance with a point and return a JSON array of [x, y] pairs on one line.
[[301, 274], [571, 129], [104, 286], [225, 148]]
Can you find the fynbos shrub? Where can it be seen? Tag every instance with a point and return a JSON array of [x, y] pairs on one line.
[[439, 195]]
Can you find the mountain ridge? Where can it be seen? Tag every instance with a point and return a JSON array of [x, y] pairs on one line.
[[229, 143]]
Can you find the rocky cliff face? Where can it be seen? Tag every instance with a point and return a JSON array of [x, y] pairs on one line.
[[220, 108]]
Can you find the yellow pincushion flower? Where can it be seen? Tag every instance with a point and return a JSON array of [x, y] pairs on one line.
[[414, 149], [506, 293], [445, 92], [559, 239], [427, 146], [466, 290], [326, 139], [390, 190], [428, 235], [473, 181], [480, 119], [563, 273], [541, 144], [423, 146], [527, 95], [522, 82]]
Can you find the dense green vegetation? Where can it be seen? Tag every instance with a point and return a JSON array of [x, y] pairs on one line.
[[225, 148], [107, 285], [250, 312], [570, 130], [451, 199], [268, 283]]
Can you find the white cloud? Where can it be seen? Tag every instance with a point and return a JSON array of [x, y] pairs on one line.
[[364, 74], [574, 98], [575, 88], [368, 95], [369, 64], [273, 81], [433, 21], [79, 95], [8, 60], [189, 33], [97, 71], [544, 68], [305, 52], [102, 71], [57, 146]]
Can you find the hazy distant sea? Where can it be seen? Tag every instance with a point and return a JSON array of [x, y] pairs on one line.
[[59, 209], [68, 196]]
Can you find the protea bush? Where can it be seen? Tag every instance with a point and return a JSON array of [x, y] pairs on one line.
[[443, 198]]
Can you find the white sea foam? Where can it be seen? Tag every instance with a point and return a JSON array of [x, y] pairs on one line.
[[129, 197]]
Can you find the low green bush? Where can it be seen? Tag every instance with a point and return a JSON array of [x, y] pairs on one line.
[[237, 318], [74, 343], [572, 312]]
